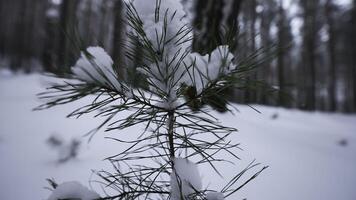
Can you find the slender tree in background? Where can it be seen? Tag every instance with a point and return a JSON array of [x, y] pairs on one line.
[[250, 16], [330, 13], [2, 24], [88, 35], [310, 33], [49, 55], [353, 56], [281, 55], [119, 30], [251, 94], [20, 32], [215, 23], [267, 17], [67, 49], [104, 36], [284, 38], [345, 57]]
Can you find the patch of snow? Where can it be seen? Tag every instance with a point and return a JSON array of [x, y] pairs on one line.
[[215, 196], [73, 190], [96, 66], [209, 68], [185, 179]]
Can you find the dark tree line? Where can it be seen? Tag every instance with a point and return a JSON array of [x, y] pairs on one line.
[[314, 54]]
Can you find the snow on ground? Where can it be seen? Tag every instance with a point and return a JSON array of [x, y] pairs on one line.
[[73, 190], [311, 156]]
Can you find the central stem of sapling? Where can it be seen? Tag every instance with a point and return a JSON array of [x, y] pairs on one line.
[[171, 134]]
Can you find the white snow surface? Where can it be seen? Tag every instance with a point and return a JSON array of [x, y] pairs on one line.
[[215, 196], [185, 179], [302, 148], [73, 190]]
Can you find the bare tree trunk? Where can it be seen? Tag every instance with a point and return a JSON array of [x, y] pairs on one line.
[[332, 55], [104, 24], [353, 62], [88, 35], [210, 20], [310, 31], [281, 54], [207, 25], [117, 52], [67, 48], [266, 18], [253, 96], [49, 54], [18, 52], [3, 26], [250, 95]]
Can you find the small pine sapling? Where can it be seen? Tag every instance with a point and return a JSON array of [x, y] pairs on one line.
[[173, 98]]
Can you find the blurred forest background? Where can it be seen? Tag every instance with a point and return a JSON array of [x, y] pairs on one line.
[[315, 63]]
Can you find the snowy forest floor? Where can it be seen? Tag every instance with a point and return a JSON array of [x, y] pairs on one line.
[[312, 156]]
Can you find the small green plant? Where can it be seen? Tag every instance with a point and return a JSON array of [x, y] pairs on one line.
[[173, 97]]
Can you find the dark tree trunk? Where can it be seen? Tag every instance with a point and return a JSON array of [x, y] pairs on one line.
[[18, 56], [353, 56], [281, 54], [253, 94], [117, 52], [68, 48], [266, 19], [49, 55], [88, 35], [310, 33], [210, 21], [104, 24], [329, 12], [250, 94], [3, 26]]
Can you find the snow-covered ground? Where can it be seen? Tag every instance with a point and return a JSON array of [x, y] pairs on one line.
[[312, 156]]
